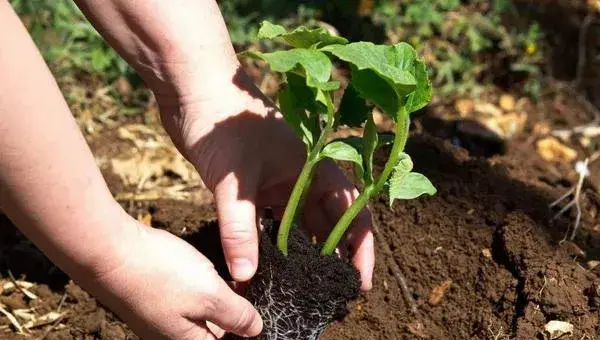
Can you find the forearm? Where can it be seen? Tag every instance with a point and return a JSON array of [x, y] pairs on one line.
[[180, 47], [49, 183]]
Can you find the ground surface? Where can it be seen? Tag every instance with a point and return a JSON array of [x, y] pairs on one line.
[[481, 259]]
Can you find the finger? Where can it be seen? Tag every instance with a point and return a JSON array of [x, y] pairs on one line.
[[335, 201], [216, 331], [237, 223], [230, 312], [315, 221], [361, 242]]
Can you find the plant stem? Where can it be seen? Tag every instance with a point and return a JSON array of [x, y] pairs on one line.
[[402, 126], [340, 228], [302, 186], [293, 204]]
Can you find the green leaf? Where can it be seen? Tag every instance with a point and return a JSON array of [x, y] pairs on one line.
[[294, 101], [405, 164], [270, 31], [342, 151], [422, 95], [315, 64], [301, 37], [381, 59], [404, 56], [370, 141], [353, 110], [376, 89], [409, 186]]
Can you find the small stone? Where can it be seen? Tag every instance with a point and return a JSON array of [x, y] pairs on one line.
[[557, 329], [416, 328], [487, 253], [507, 102], [551, 150], [592, 264]]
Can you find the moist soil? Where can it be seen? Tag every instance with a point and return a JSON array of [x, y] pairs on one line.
[[481, 259]]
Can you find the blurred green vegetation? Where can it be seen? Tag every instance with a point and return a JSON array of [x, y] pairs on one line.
[[67, 41], [468, 44]]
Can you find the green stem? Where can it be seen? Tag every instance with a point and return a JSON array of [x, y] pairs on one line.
[[302, 186], [293, 204], [402, 126]]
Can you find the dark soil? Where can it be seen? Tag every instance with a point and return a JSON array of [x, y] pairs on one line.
[[485, 236], [299, 295]]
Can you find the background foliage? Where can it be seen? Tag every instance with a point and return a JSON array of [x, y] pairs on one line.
[[467, 44]]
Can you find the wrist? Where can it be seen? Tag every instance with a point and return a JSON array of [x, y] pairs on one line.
[[104, 248], [190, 118]]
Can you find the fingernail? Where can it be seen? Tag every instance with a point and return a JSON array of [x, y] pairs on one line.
[[242, 269]]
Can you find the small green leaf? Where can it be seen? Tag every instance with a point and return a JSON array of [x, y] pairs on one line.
[[270, 31], [301, 37], [294, 101], [353, 110], [422, 95], [315, 64], [409, 186], [405, 164], [342, 151], [370, 141]]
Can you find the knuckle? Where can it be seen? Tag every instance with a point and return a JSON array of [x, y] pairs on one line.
[[236, 234], [245, 319], [208, 304]]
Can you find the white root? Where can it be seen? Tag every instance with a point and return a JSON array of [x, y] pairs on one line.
[[283, 320], [583, 171]]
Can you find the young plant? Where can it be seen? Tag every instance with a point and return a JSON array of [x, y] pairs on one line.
[[391, 78]]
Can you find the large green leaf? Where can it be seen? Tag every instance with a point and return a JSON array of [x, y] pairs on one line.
[[301, 37], [404, 56], [381, 59], [342, 151], [353, 110], [406, 186], [376, 89], [315, 65]]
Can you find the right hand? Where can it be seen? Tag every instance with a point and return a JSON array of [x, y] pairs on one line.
[[165, 289]]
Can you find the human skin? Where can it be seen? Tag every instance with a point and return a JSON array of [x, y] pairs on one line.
[[247, 156]]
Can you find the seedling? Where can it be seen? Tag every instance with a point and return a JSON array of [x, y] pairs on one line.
[[391, 78]]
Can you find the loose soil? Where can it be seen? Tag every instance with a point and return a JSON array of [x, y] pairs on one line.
[[480, 258]]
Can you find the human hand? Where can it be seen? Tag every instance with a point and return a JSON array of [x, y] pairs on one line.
[[165, 289], [250, 159]]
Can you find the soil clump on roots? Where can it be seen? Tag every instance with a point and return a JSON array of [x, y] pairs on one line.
[[300, 294]]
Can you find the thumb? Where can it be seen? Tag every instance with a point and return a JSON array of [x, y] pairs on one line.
[[231, 312], [237, 222]]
